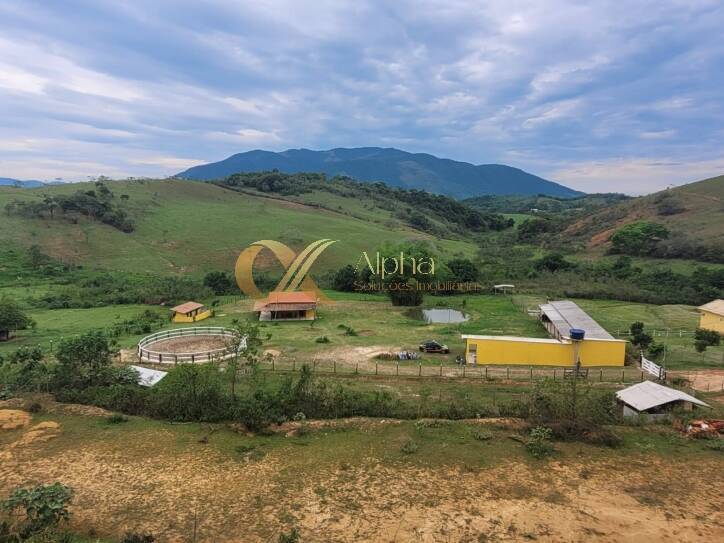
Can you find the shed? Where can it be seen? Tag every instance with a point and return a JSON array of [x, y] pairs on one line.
[[654, 401], [285, 306], [190, 312], [711, 316]]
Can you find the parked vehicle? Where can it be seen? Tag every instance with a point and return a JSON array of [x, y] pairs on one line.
[[434, 347]]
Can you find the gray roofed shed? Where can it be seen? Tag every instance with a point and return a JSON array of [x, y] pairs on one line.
[[647, 395], [564, 315]]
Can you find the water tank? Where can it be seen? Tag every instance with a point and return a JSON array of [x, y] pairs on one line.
[[576, 334]]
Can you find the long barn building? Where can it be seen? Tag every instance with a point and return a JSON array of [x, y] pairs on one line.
[[598, 348]]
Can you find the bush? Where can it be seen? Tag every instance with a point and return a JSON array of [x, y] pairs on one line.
[[44, 506], [539, 442], [134, 537], [116, 418], [292, 537], [409, 447], [323, 339], [482, 435]]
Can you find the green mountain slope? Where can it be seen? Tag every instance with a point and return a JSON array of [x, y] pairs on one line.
[[185, 227], [691, 212]]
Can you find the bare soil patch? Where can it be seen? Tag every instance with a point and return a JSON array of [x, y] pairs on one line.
[[145, 482], [192, 344], [711, 380], [12, 419]]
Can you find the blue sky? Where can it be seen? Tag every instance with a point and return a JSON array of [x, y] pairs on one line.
[[600, 96]]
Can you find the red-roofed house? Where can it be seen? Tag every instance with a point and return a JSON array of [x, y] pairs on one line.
[[286, 306]]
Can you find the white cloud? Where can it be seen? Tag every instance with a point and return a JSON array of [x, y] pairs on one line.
[[635, 175]]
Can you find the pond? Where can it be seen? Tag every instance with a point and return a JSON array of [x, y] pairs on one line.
[[438, 315]]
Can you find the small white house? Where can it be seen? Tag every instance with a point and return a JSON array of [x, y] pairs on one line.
[[654, 401]]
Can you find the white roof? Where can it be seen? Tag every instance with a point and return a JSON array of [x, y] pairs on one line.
[[647, 394], [516, 339], [565, 314], [147, 377]]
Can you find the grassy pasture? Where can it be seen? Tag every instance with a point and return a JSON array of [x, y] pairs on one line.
[[191, 227]]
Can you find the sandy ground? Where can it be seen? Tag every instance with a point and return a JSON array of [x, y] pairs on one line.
[[710, 380], [193, 344], [134, 487]]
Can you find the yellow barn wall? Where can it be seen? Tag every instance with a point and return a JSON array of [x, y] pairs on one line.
[[711, 321], [180, 317], [592, 353]]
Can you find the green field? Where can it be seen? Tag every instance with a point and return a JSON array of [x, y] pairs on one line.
[[190, 227], [380, 327]]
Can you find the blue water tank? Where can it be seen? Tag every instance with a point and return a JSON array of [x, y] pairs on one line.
[[577, 334]]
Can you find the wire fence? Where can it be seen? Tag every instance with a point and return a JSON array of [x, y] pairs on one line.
[[406, 370]]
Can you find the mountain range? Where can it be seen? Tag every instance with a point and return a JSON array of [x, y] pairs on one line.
[[30, 184], [392, 166]]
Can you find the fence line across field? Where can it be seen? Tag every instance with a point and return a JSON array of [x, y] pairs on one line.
[[523, 373]]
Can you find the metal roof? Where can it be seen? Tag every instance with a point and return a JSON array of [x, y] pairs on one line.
[[516, 339], [715, 306], [565, 315], [188, 307], [147, 377], [647, 394]]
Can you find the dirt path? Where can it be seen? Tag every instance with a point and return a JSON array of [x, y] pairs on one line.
[[145, 482]]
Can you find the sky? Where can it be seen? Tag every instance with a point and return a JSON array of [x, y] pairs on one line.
[[601, 96]]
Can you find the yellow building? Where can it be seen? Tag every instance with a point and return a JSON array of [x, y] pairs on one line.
[[598, 348], [712, 316], [190, 312]]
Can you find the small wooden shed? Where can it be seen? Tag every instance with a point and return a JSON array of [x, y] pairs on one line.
[[190, 312], [654, 401]]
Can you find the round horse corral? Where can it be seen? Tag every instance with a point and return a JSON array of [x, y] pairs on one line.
[[188, 345]]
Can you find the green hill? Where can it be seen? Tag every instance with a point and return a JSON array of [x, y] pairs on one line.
[[693, 213], [190, 227]]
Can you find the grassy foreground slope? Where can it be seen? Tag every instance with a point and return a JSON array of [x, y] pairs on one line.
[[183, 226], [695, 210]]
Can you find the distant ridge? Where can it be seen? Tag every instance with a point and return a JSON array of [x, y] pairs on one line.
[[392, 166], [30, 184]]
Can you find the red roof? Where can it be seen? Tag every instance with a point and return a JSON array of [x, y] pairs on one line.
[[291, 300], [188, 307]]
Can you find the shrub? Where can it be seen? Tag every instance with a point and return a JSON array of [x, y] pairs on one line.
[[116, 418], [409, 447], [44, 506], [292, 537], [539, 442], [323, 339], [134, 537], [481, 435]]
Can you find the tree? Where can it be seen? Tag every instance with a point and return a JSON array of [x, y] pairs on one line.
[[219, 282], [638, 238], [85, 360], [710, 337], [639, 337], [44, 506], [656, 350], [345, 279], [246, 344], [463, 270], [553, 262], [12, 317]]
